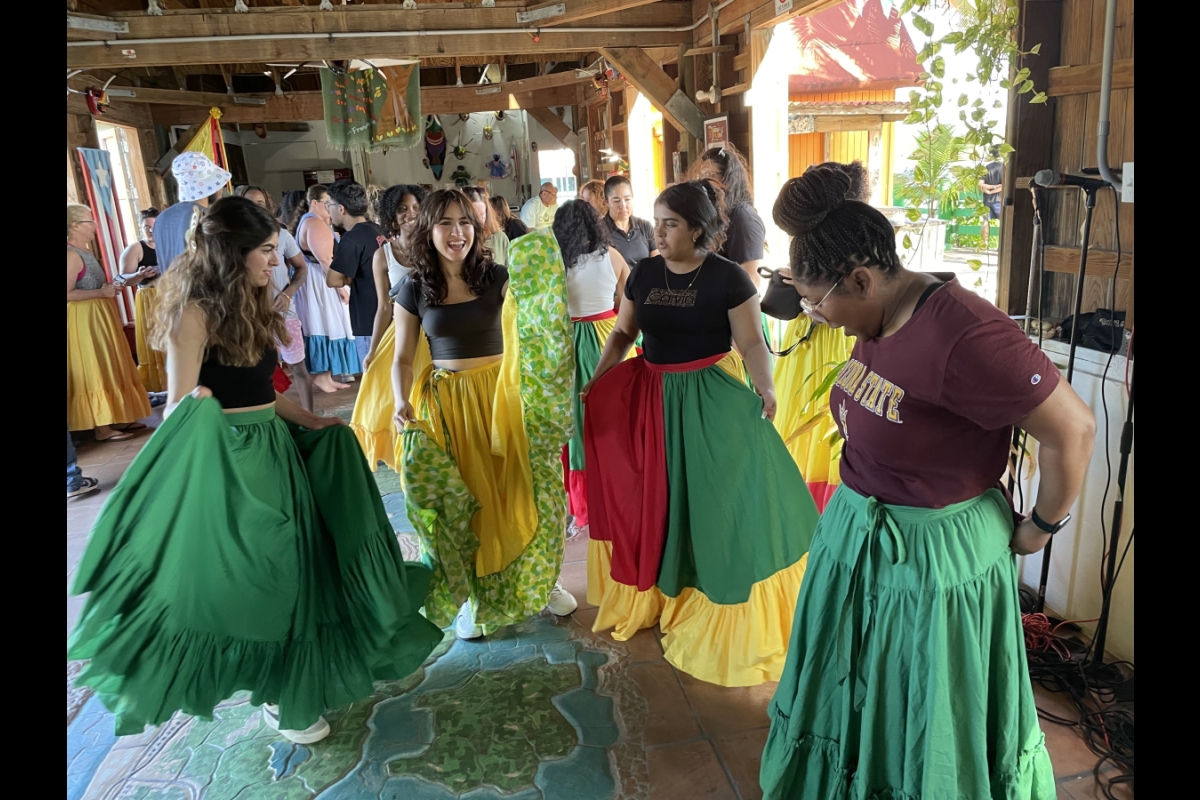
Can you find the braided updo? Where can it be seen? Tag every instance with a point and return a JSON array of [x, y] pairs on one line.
[[831, 234]]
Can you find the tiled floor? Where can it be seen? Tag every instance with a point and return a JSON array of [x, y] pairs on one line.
[[570, 715]]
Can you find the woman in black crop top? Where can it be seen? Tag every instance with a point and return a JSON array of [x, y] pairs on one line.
[[246, 526], [465, 406], [699, 518]]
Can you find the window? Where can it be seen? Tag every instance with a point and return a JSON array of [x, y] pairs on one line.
[[129, 174], [558, 167]]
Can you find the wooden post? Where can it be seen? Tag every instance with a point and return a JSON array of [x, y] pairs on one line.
[[649, 79], [1031, 128]]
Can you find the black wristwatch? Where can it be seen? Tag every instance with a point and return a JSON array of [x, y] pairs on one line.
[[1049, 527]]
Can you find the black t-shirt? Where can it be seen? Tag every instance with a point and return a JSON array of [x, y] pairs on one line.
[[635, 245], [352, 257], [514, 229], [473, 329], [995, 177], [745, 235], [688, 319]]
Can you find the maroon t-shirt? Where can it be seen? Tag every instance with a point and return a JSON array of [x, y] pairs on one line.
[[927, 413]]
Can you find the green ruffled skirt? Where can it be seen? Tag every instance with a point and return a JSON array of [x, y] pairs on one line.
[[242, 553], [906, 676]]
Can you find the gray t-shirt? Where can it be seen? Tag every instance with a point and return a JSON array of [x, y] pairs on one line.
[[281, 275]]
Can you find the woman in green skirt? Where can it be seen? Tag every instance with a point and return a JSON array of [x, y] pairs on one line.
[[906, 674], [246, 548]]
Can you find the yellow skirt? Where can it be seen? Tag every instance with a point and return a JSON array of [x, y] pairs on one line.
[[797, 376], [152, 364], [470, 415], [103, 387], [375, 408]]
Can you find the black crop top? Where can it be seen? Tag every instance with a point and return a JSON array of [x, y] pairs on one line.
[[691, 320], [240, 387], [459, 330]]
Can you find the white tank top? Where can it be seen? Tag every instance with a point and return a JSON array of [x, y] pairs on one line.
[[591, 285], [396, 270]]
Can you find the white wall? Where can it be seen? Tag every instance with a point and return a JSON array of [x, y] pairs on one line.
[[1073, 588]]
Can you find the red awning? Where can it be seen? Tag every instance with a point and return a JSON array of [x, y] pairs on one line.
[[844, 48]]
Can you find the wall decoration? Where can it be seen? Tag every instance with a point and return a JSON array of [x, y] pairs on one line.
[[435, 146], [460, 150], [369, 109], [461, 177], [498, 169], [716, 133]]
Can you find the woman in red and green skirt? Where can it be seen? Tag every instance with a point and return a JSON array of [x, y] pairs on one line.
[[906, 673], [596, 275], [700, 520]]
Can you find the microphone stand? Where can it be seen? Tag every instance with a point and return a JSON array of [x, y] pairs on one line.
[[1090, 208], [1114, 538]]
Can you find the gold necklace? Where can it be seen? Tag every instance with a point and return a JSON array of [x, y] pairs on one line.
[[667, 280]]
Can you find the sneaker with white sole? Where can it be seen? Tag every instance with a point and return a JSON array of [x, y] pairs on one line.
[[562, 603], [464, 625], [313, 733]]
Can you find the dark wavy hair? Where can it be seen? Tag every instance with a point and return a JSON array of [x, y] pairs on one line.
[[699, 203], [733, 172], [479, 271], [241, 318], [292, 207], [579, 231], [831, 233], [351, 195], [147, 213], [389, 205]]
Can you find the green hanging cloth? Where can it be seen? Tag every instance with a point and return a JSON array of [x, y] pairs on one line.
[[372, 109]]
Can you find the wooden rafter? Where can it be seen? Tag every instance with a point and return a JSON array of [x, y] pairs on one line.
[[661, 89]]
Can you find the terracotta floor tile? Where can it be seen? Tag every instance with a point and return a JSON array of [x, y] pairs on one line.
[[670, 718], [577, 550], [644, 646], [742, 755], [574, 580], [1068, 752], [1056, 703], [722, 710], [688, 772]]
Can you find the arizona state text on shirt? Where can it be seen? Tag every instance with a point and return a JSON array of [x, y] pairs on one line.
[[871, 390]]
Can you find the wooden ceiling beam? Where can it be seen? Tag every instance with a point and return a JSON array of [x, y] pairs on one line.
[[308, 106], [432, 43], [579, 10], [553, 124], [661, 89], [761, 12]]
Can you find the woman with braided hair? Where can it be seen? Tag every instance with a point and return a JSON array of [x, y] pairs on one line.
[[699, 518], [818, 349], [906, 673]]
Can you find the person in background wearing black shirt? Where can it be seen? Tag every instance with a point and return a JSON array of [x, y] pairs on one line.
[[512, 225], [992, 187], [633, 237], [352, 258], [699, 518]]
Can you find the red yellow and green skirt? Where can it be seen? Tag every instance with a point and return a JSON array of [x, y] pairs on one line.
[[906, 675], [482, 469], [373, 421], [700, 521], [151, 363], [591, 334], [103, 386], [808, 427]]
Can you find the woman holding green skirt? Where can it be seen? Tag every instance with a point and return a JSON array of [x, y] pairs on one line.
[[700, 520], [246, 548], [906, 673]]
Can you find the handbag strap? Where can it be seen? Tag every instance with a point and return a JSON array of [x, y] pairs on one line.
[[812, 327]]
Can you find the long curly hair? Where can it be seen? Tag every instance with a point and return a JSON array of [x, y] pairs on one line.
[[733, 173], [832, 233], [241, 319], [491, 223], [478, 268], [579, 231], [389, 205]]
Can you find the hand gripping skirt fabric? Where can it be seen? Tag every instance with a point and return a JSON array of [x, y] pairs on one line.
[[700, 520], [270, 566], [806, 430], [151, 363], [328, 339], [906, 676], [482, 472], [373, 421], [103, 387], [591, 334]]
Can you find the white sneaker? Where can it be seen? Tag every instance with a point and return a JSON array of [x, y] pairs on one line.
[[464, 626], [313, 733], [562, 603]]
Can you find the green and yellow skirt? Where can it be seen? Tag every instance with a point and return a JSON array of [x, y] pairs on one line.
[[807, 427], [267, 565], [374, 419], [700, 521], [906, 675]]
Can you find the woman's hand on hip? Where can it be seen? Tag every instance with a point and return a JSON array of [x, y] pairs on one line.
[[1028, 538]]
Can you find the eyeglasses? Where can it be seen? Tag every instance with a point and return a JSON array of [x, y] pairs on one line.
[[811, 308]]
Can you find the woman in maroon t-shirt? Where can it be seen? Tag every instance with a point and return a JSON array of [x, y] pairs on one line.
[[906, 671]]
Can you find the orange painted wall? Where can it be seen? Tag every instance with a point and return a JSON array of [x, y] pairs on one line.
[[806, 149]]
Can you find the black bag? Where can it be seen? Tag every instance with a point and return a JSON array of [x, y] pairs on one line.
[[1105, 331], [780, 301]]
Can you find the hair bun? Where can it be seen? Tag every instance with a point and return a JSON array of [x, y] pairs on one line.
[[804, 202]]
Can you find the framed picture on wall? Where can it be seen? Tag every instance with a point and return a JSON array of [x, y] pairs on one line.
[[716, 132], [585, 147]]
